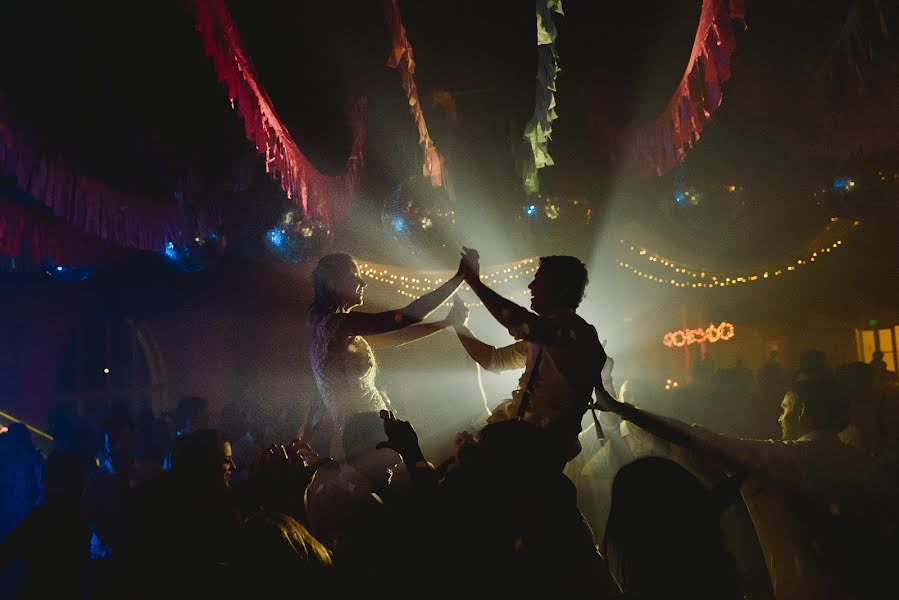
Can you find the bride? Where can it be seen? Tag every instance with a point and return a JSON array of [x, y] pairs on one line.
[[342, 359]]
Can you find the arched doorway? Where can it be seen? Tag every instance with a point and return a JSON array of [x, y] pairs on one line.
[[111, 359]]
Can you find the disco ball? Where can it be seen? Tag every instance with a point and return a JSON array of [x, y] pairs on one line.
[[67, 273], [862, 195], [559, 210], [193, 256], [420, 216], [705, 207], [297, 240], [560, 223]]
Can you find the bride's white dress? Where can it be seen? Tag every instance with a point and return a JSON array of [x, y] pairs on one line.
[[344, 369]]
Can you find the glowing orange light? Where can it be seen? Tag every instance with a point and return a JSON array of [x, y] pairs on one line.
[[678, 339]]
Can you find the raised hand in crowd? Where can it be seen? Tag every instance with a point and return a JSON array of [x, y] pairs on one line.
[[302, 450], [401, 438], [463, 443]]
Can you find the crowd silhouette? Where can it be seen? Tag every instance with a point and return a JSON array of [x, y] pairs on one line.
[[790, 490]]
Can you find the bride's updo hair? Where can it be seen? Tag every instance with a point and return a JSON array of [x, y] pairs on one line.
[[329, 269]]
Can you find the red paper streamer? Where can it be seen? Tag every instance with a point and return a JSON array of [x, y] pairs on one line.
[[660, 145], [322, 197], [401, 59]]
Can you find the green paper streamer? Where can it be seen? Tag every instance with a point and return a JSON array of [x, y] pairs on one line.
[[538, 131]]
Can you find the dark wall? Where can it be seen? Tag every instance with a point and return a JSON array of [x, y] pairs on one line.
[[229, 334]]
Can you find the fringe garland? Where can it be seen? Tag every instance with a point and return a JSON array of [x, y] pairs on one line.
[[322, 197], [539, 129], [86, 203], [38, 237], [401, 59], [659, 146]]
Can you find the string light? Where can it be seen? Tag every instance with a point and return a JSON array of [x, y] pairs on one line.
[[413, 284], [687, 277]]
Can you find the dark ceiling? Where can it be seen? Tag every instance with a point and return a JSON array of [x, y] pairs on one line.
[[123, 90]]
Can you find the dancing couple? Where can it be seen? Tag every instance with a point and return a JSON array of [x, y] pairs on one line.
[[559, 351]]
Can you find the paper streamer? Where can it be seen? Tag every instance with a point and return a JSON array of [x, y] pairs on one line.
[[401, 59], [321, 197], [539, 129], [661, 144]]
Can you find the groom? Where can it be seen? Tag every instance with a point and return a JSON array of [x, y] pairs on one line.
[[559, 351]]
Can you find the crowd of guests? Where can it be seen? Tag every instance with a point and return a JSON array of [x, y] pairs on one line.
[[815, 514], [737, 401], [654, 507]]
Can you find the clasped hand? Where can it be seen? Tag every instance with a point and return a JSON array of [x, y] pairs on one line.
[[458, 314], [470, 265]]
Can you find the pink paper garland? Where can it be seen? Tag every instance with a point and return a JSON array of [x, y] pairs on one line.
[[41, 237], [322, 197], [86, 203], [660, 145]]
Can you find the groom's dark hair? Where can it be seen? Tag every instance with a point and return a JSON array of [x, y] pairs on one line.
[[569, 274]]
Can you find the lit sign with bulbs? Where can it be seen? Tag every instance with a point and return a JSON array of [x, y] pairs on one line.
[[713, 333]]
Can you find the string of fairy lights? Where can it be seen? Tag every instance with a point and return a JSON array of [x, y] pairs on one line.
[[412, 284], [681, 275]]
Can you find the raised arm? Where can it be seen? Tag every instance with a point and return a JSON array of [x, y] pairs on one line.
[[803, 469], [402, 439], [490, 358], [736, 452], [670, 430], [506, 312], [521, 323], [479, 352], [406, 335], [359, 323]]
